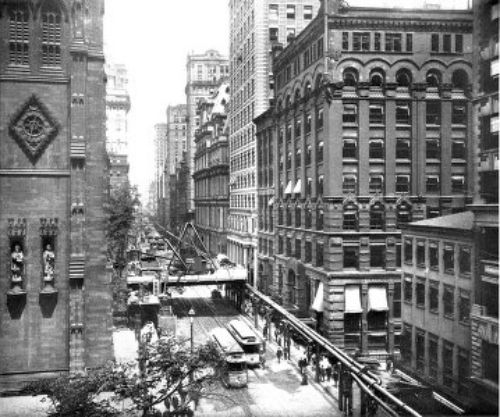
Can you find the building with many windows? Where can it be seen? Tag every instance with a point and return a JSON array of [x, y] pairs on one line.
[[117, 108], [437, 294], [211, 171], [204, 72], [255, 25], [160, 153], [370, 130], [55, 294]]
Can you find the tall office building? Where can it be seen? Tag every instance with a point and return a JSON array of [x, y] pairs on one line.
[[370, 130], [160, 153], [254, 27], [55, 295], [204, 72], [117, 108]]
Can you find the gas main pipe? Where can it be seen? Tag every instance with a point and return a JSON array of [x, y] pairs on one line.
[[369, 380]]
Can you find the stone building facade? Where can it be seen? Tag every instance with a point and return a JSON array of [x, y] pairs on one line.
[[211, 171], [371, 129], [117, 108], [55, 309], [437, 295], [204, 72], [254, 27]]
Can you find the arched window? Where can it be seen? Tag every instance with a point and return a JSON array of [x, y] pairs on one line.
[[319, 152], [308, 89], [288, 101], [377, 216], [308, 154], [297, 96], [51, 34], [350, 77], [433, 78], [289, 160], [350, 217], [309, 187], [377, 77], [403, 78], [319, 81], [319, 190], [403, 213], [459, 79], [280, 215], [298, 158], [319, 218], [308, 217], [19, 35]]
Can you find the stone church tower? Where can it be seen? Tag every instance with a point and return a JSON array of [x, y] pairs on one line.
[[55, 295]]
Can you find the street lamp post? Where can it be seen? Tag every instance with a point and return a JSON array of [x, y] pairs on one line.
[[191, 319]]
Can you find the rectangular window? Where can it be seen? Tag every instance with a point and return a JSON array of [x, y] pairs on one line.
[[376, 114], [19, 34], [489, 361], [319, 254], [420, 349], [459, 113], [308, 252], [463, 369], [447, 358], [273, 34], [349, 149], [377, 256], [308, 123], [361, 41], [408, 289], [403, 113], [433, 356], [376, 43], [319, 119], [409, 251], [273, 12], [345, 41], [298, 128], [432, 183], [448, 304], [288, 246], [290, 11], [432, 149], [376, 149], [435, 42], [349, 184], [290, 33], [403, 150], [434, 296], [351, 257], [449, 259], [459, 44], [396, 300], [398, 255], [464, 306], [421, 254], [280, 244], [376, 184], [465, 260], [458, 184], [402, 183], [350, 114], [458, 149], [433, 256], [420, 293], [409, 42], [393, 42], [433, 113], [447, 43], [298, 253], [308, 12]]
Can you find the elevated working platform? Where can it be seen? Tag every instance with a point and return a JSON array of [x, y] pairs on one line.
[[222, 275]]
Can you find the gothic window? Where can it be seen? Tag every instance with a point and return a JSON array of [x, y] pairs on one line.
[[350, 76], [433, 78], [51, 35], [377, 77], [18, 35], [350, 217], [319, 219], [319, 190], [377, 216], [403, 77]]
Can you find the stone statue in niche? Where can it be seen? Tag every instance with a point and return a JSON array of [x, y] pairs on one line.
[[17, 263], [49, 260]]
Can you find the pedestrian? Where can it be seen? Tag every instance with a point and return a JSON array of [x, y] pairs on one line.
[[302, 362], [276, 333], [265, 331], [328, 370], [279, 353], [263, 361], [335, 373], [389, 365], [278, 340], [323, 364]]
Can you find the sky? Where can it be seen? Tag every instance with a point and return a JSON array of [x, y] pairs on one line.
[[152, 39]]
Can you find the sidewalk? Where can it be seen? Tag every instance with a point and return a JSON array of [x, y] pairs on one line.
[[326, 387]]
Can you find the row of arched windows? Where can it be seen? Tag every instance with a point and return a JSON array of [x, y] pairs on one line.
[[19, 34]]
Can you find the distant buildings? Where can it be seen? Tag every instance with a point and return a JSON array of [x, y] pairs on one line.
[[117, 108], [211, 170], [204, 72], [369, 130], [55, 295], [160, 154], [254, 27]]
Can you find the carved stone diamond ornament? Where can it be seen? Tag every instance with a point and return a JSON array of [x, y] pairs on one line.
[[33, 128]]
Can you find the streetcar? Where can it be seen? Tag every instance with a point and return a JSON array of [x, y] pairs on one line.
[[248, 339], [235, 372]]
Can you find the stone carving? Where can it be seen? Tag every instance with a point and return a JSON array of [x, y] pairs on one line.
[[17, 267], [48, 227], [33, 128], [49, 260], [16, 228]]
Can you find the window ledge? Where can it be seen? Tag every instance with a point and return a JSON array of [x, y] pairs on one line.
[[376, 124], [465, 275], [449, 316], [434, 311], [420, 306], [402, 125], [464, 323], [349, 124]]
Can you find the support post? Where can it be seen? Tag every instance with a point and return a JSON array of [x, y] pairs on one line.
[[317, 363]]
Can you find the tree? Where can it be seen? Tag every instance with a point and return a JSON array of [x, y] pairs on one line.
[[169, 374], [120, 212], [77, 395]]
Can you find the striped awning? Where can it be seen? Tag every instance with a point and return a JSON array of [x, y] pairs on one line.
[[352, 299], [288, 189], [377, 298], [317, 305]]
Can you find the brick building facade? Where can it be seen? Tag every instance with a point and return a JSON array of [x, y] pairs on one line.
[[55, 308], [371, 129]]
